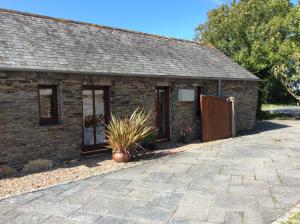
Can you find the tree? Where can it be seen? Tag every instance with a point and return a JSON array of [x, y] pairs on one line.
[[287, 69], [261, 35]]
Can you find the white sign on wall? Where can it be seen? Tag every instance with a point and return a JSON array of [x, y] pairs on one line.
[[186, 95]]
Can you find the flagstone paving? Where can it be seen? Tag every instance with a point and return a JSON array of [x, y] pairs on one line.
[[250, 179]]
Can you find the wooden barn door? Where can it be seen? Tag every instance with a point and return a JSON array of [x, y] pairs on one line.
[[163, 113], [215, 117]]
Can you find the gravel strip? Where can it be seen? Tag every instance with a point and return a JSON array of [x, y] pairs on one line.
[[83, 168]]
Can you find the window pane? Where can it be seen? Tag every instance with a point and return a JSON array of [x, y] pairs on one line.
[[45, 103], [99, 116], [88, 121]]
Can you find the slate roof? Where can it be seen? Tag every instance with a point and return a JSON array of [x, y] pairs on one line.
[[39, 43]]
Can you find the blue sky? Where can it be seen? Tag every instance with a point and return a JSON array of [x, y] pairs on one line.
[[174, 18]]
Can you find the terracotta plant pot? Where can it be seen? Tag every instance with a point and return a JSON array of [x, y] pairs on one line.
[[121, 157]]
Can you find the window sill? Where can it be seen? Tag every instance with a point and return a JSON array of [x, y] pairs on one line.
[[161, 140]]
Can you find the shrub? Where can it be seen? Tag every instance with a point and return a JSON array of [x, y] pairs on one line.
[[124, 134], [149, 141]]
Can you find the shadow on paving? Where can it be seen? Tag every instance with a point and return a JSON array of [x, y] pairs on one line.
[[264, 126]]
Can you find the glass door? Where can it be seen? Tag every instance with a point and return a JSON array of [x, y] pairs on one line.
[[95, 101], [162, 112], [88, 117]]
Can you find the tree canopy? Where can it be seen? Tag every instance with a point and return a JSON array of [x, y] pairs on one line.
[[261, 35]]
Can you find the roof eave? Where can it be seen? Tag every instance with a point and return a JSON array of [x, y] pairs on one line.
[[124, 74]]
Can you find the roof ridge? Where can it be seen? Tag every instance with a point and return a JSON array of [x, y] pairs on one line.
[[97, 26]]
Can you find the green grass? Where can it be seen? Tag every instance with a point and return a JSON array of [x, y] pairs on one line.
[[266, 115], [293, 219], [272, 106]]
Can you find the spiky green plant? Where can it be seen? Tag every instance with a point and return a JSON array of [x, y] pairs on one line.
[[124, 134]]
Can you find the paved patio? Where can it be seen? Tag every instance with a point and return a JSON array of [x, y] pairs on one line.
[[250, 179]]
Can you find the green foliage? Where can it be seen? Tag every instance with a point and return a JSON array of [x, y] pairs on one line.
[[264, 37], [294, 219], [150, 139], [266, 115], [274, 106], [149, 142], [272, 91], [289, 74]]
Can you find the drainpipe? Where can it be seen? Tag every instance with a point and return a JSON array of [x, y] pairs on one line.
[[219, 87], [233, 127]]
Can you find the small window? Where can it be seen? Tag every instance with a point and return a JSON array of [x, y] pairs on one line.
[[48, 104]]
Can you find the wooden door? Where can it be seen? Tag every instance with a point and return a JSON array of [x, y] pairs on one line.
[[163, 112], [215, 118]]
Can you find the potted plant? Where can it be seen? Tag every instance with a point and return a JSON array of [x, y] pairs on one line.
[[124, 134], [186, 135]]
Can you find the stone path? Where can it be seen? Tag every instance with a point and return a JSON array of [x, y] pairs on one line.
[[250, 179]]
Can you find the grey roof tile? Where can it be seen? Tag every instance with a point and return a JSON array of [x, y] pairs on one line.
[[34, 42]]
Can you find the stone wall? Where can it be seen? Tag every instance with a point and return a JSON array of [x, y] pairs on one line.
[[183, 114], [245, 94], [22, 138]]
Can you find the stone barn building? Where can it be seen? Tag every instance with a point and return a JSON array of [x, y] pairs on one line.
[[61, 79]]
